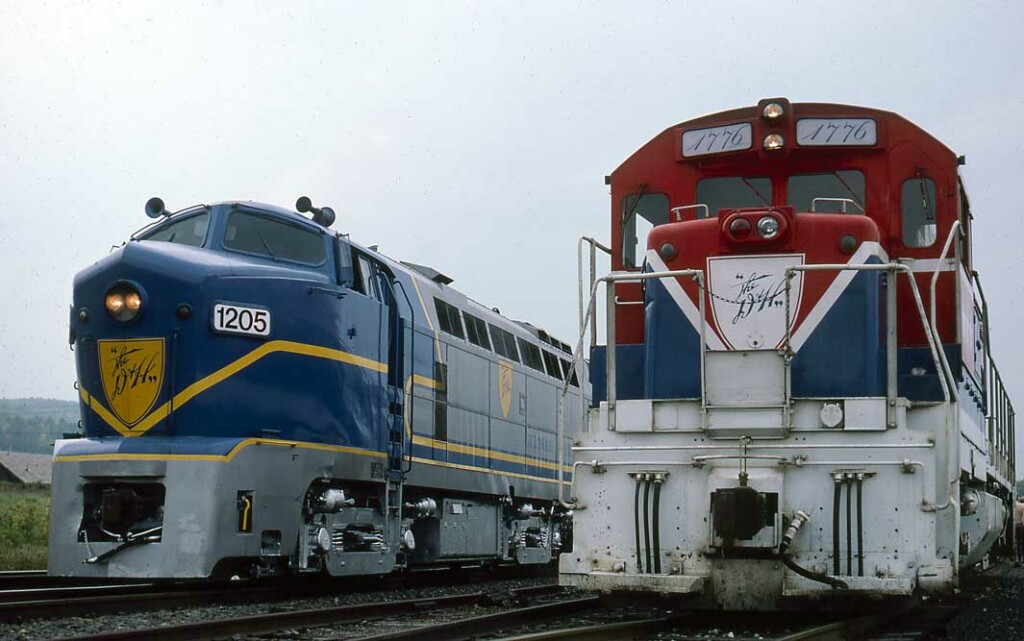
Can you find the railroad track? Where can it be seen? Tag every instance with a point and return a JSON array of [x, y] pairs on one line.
[[322, 617], [73, 600]]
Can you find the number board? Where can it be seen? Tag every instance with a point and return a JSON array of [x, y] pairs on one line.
[[236, 319], [716, 140], [836, 132]]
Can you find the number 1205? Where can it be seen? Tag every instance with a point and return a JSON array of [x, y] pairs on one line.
[[234, 319]]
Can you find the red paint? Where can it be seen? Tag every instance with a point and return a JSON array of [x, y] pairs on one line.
[[902, 151]]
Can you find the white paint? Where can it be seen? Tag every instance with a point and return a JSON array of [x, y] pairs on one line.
[[748, 298]]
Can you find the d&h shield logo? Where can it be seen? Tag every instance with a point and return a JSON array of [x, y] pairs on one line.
[[505, 387], [132, 372]]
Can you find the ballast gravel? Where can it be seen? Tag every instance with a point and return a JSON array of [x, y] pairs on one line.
[[42, 629]]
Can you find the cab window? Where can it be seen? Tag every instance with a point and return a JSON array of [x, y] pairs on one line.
[[733, 192], [917, 205], [844, 191], [185, 231], [640, 214], [263, 236]]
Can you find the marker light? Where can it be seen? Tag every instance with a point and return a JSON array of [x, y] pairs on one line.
[[123, 302], [768, 227], [740, 228], [772, 111], [773, 142], [667, 251]]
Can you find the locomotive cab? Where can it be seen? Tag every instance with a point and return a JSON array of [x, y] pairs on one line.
[[796, 396]]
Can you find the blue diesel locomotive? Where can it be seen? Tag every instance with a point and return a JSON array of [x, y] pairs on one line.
[[260, 396]]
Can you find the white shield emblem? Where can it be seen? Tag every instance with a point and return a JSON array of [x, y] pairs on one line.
[[748, 298]]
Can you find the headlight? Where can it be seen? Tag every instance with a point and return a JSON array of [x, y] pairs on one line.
[[768, 227], [123, 302], [773, 142], [772, 111]]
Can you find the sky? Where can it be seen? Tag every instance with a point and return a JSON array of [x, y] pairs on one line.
[[470, 136]]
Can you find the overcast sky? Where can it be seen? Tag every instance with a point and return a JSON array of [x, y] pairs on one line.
[[472, 137]]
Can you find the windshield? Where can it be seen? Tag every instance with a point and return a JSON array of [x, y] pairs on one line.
[[274, 239], [733, 192], [189, 230], [837, 191]]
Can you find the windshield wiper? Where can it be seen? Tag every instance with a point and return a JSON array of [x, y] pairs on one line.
[[849, 190], [752, 188], [266, 246]]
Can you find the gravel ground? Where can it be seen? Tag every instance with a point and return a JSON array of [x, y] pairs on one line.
[[42, 629], [997, 609]]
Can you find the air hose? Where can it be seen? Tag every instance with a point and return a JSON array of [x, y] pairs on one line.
[[799, 519]]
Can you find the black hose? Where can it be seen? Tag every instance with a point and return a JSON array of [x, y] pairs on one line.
[[849, 530], [813, 576], [860, 529], [647, 523], [636, 525], [835, 529], [656, 525]]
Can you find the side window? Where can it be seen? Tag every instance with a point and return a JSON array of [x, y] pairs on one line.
[[531, 355], [476, 331], [448, 317], [847, 185], [917, 204], [551, 363], [504, 343], [733, 192], [640, 214], [189, 231], [574, 381], [346, 272], [364, 276]]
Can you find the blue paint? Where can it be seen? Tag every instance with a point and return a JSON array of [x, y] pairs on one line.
[[629, 380], [845, 354], [672, 353]]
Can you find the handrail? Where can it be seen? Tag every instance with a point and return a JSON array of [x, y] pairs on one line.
[[678, 210], [954, 228], [895, 267], [610, 280], [815, 201]]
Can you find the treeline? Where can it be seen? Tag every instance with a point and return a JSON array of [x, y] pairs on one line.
[[33, 424]]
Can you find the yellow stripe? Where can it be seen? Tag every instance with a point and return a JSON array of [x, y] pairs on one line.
[[205, 383], [221, 457], [424, 381], [485, 453], [470, 468], [430, 324]]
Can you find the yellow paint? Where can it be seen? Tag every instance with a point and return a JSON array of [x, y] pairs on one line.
[[132, 374], [437, 336], [217, 458], [245, 514], [470, 468], [486, 453], [221, 457], [505, 387], [271, 347]]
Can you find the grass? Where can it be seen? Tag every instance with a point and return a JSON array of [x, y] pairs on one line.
[[24, 524]]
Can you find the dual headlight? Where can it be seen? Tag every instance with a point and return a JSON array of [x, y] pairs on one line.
[[123, 302]]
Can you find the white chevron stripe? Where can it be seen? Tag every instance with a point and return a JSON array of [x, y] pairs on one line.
[[831, 295], [682, 299]]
